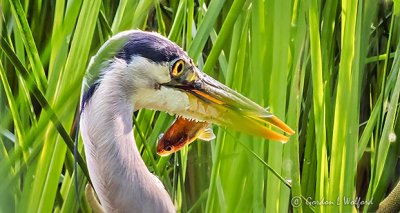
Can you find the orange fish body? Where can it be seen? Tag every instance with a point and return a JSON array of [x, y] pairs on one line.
[[182, 132]]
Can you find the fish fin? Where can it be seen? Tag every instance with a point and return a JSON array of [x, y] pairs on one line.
[[207, 135]]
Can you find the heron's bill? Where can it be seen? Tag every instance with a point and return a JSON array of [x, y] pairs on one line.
[[216, 103]]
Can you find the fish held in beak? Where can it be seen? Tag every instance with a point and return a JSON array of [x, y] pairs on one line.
[[182, 132]]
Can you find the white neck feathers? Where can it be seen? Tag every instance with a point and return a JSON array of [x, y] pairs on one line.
[[119, 175]]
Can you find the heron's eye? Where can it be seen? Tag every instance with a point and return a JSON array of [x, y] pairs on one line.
[[168, 148], [178, 68]]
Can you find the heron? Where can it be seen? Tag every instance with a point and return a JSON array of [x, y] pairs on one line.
[[137, 69]]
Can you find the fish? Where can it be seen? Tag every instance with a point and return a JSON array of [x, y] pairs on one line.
[[181, 133]]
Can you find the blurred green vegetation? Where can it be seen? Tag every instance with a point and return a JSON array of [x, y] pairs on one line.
[[330, 69]]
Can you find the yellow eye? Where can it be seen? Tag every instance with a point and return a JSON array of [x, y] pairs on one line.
[[178, 68]]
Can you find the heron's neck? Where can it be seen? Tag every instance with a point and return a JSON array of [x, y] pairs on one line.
[[119, 175], [108, 122], [112, 130]]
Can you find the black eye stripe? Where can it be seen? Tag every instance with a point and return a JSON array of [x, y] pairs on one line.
[[150, 46]]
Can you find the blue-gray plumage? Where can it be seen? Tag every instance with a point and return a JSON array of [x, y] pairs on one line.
[[135, 70]]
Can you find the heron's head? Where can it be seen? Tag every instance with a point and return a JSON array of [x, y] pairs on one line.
[[157, 74]]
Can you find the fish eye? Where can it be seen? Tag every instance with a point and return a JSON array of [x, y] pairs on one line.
[[177, 68], [168, 148]]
